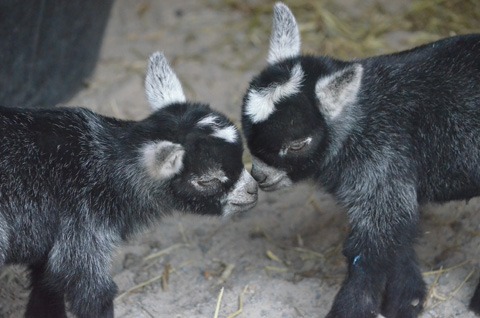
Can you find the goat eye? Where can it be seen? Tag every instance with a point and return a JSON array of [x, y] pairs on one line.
[[207, 183], [299, 145]]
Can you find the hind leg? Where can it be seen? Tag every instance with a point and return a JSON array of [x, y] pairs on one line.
[[92, 296], [3, 241], [90, 290], [84, 273], [3, 246], [475, 301], [45, 299]]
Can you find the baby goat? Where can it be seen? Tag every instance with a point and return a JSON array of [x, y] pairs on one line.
[[383, 135], [75, 184]]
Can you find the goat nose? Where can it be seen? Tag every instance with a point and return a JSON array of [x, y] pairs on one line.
[[258, 175], [252, 189]]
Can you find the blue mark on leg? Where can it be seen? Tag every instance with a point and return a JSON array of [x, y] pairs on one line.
[[356, 259]]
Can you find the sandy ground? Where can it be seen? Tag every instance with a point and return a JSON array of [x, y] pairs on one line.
[[281, 259]]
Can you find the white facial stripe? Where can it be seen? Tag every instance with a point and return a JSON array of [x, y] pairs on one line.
[[208, 121], [261, 103], [228, 133], [292, 86]]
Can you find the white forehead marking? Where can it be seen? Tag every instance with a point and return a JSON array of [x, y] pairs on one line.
[[261, 103], [228, 133], [208, 121]]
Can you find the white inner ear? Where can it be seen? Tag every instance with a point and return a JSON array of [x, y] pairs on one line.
[[336, 91], [161, 84], [285, 38], [163, 159]]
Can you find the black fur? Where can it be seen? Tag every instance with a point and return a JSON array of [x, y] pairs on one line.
[[411, 136], [73, 187]]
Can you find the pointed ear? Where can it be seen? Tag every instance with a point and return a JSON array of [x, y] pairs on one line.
[[163, 159], [161, 84], [335, 91], [285, 38]]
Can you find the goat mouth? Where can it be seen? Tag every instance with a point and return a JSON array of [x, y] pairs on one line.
[[232, 208], [272, 185], [245, 205]]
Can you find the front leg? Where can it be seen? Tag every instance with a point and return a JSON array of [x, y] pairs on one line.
[[383, 226], [405, 291], [361, 293]]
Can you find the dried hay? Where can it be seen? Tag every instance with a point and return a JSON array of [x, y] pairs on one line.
[[327, 28]]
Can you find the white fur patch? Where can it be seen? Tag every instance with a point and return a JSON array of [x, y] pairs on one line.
[[163, 159], [228, 133], [285, 38], [242, 196], [208, 121], [222, 177], [162, 86], [260, 104]]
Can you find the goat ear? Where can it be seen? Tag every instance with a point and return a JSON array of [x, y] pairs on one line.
[[163, 159], [285, 38], [161, 84], [335, 91]]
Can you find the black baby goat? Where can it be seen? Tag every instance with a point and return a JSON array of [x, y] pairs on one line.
[[75, 184], [383, 135]]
